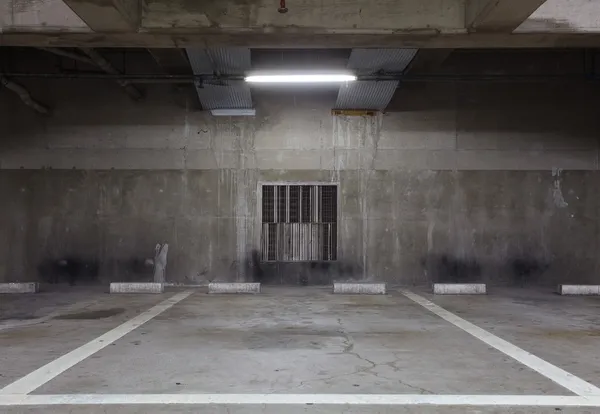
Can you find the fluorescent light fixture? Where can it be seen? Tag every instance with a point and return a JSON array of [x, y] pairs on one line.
[[306, 78], [233, 112]]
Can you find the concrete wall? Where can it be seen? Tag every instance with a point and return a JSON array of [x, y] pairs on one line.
[[458, 181]]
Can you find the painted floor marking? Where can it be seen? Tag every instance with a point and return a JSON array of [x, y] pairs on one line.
[[552, 372], [39, 377], [302, 399]]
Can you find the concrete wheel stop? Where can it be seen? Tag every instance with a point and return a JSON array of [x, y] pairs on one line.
[[459, 289], [19, 287], [137, 288], [344, 288], [579, 290], [222, 287]]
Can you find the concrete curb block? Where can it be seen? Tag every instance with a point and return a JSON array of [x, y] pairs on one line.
[[137, 288], [234, 288], [582, 290], [359, 288], [19, 287], [459, 289]]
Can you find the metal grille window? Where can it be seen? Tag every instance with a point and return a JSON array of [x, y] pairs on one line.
[[299, 223]]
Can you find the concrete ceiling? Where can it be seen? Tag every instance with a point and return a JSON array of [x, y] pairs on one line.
[[428, 29], [308, 23]]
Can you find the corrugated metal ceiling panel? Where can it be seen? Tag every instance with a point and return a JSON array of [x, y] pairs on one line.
[[226, 61], [232, 95], [230, 60], [373, 94], [374, 60], [366, 94], [200, 61]]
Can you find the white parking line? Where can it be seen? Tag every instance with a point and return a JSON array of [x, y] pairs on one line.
[[303, 399], [552, 372], [42, 375]]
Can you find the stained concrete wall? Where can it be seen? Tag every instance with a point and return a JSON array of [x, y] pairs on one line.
[[458, 181]]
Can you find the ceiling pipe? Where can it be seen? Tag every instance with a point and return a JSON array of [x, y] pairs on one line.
[[24, 95], [105, 65], [163, 78]]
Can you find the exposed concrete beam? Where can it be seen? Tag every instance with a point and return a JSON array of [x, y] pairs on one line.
[[70, 55], [105, 65], [305, 15], [427, 60], [108, 15], [175, 62], [297, 39], [172, 61], [498, 15]]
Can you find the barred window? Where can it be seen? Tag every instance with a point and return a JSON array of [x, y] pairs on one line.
[[299, 223]]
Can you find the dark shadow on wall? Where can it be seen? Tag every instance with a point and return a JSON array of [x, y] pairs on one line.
[[489, 113], [519, 271], [527, 270], [300, 273], [81, 109], [72, 270], [76, 270], [134, 269], [450, 269]]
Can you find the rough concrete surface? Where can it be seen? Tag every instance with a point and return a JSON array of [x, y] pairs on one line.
[[137, 288], [304, 340], [359, 288], [298, 341], [565, 16], [19, 287], [458, 182], [234, 288], [549, 325], [459, 288], [586, 290], [236, 409], [61, 321], [51, 16]]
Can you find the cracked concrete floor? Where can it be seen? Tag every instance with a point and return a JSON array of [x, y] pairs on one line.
[[299, 341], [295, 341]]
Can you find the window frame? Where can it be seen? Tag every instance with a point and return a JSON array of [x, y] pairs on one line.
[[259, 208]]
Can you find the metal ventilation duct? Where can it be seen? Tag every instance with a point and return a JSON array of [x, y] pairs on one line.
[[222, 61], [366, 95], [200, 61], [375, 60], [225, 95], [372, 94]]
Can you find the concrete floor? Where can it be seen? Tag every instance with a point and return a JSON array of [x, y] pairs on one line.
[[298, 341]]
